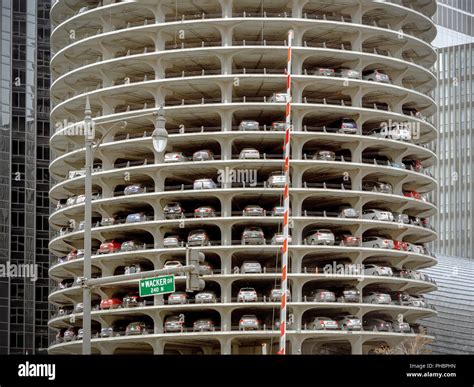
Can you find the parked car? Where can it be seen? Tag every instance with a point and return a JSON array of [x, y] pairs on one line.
[[278, 239], [412, 248], [137, 328], [70, 334], [348, 294], [205, 269], [324, 155], [277, 292], [323, 71], [378, 186], [253, 210], [347, 73], [109, 247], [279, 211], [249, 125], [205, 297], [374, 269], [250, 267], [374, 214], [348, 212], [134, 189], [377, 324], [79, 307], [136, 217], [401, 218], [376, 76], [108, 221], [344, 125], [132, 245], [204, 325], [400, 245], [401, 298], [348, 240], [376, 242], [173, 324], [177, 298], [375, 297], [249, 322], [172, 241], [110, 303], [279, 125], [108, 332], [249, 154], [205, 212], [395, 132], [175, 157], [401, 327], [324, 295], [203, 155], [278, 97], [173, 265], [247, 295], [173, 210], [253, 236], [198, 238], [132, 301], [349, 323], [321, 237], [414, 195], [132, 269], [418, 301], [276, 179], [323, 323], [204, 184]]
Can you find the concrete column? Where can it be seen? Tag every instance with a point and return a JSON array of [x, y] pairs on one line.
[[356, 345], [158, 347], [226, 6]]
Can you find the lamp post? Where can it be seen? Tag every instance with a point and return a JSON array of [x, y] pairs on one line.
[[160, 140]]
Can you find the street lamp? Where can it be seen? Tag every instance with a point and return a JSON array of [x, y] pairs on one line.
[[160, 134], [160, 140]]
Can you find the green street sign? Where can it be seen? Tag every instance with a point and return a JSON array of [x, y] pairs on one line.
[[159, 285]]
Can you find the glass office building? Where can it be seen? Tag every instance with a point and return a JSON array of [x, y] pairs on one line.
[[24, 177]]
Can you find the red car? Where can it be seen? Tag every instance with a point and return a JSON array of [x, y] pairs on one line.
[[109, 247], [412, 194], [110, 303], [399, 245]]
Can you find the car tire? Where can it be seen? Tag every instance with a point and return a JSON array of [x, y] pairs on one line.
[[376, 246]]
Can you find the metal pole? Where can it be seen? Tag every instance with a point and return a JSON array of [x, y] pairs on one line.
[[86, 293], [286, 204]]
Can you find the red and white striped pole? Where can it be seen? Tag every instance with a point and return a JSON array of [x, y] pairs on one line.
[[286, 204]]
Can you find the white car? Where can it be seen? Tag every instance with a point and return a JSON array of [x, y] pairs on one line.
[[172, 241], [174, 157], [278, 97], [415, 248], [374, 214], [276, 180], [204, 184], [278, 239], [377, 242], [376, 76], [373, 269], [249, 125], [249, 154], [250, 267], [323, 323], [247, 295]]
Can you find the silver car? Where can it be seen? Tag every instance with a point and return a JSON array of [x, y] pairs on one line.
[[134, 189], [278, 239], [203, 155], [173, 265], [206, 297], [276, 293], [279, 125], [203, 325], [324, 155], [249, 154], [377, 243], [173, 324], [253, 236], [172, 241], [321, 237], [278, 211], [250, 267], [175, 157], [378, 186], [249, 322], [324, 295], [173, 210], [323, 323], [204, 184], [349, 323], [418, 301], [374, 297], [373, 269], [198, 238], [249, 125], [247, 295], [348, 212], [278, 97], [132, 245], [137, 217], [347, 73], [374, 214], [401, 218], [253, 210], [376, 76], [177, 298], [401, 327], [276, 180]]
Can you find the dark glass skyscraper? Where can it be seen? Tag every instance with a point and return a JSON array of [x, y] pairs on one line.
[[24, 178]]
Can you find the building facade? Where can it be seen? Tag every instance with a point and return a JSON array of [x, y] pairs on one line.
[[455, 21], [362, 126], [24, 185]]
